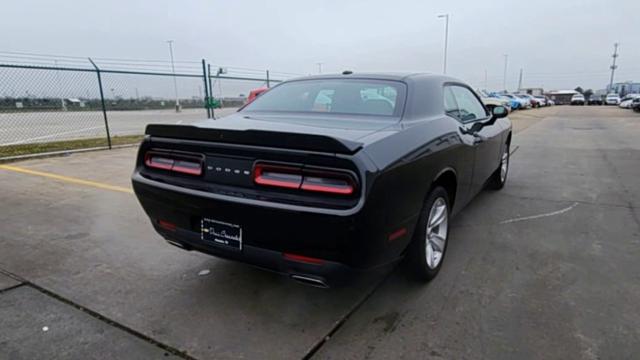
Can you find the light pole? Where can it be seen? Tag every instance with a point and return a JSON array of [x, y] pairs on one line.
[[319, 67], [446, 40], [173, 70], [504, 76], [613, 66]]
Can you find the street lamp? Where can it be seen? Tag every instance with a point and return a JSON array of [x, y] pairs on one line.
[[504, 76], [446, 40], [173, 70]]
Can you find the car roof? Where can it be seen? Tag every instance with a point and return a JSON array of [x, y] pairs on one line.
[[398, 76]]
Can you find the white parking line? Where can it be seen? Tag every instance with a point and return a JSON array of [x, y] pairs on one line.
[[540, 215], [26, 141]]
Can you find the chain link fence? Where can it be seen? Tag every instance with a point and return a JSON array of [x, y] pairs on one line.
[[48, 109]]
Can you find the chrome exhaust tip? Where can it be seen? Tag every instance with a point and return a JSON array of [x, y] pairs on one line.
[[311, 281], [177, 244]]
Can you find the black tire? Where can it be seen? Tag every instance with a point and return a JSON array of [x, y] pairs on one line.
[[497, 180], [417, 261]]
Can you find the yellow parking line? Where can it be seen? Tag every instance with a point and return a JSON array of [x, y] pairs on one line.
[[67, 179]]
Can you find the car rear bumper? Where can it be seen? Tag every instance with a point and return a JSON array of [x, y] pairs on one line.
[[325, 246]]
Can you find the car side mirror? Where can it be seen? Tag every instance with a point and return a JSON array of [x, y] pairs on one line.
[[499, 112]]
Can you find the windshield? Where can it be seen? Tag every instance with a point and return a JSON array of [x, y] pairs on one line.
[[334, 96]]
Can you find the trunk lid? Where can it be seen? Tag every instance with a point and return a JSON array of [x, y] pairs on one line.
[[335, 134]]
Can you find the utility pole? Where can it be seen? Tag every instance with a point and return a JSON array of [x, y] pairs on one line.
[[613, 66], [520, 81], [504, 76], [173, 70], [319, 67], [446, 40]]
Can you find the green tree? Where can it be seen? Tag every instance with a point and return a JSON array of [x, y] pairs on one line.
[[579, 89]]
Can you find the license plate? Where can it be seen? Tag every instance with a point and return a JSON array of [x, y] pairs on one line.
[[222, 233]]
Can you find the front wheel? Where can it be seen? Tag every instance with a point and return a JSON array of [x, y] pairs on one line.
[[426, 251], [499, 177]]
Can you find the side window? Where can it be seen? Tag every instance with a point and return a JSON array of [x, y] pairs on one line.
[[450, 105], [469, 107]]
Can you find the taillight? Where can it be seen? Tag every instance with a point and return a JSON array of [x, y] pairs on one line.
[[278, 176], [298, 178], [329, 183], [180, 163]]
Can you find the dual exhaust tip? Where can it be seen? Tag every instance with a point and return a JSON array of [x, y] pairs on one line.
[[303, 279], [311, 281]]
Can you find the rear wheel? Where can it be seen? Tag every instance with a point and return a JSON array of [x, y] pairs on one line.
[[427, 250], [499, 177]]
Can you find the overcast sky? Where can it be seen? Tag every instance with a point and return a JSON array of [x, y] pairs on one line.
[[559, 44]]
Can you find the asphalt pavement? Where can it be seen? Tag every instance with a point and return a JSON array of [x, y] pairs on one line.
[[547, 268], [32, 127]]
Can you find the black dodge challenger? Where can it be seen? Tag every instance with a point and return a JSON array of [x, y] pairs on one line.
[[327, 173]]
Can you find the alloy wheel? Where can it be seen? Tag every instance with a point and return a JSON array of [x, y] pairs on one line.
[[437, 229], [504, 165]]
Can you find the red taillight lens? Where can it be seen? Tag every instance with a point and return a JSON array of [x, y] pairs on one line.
[[331, 185], [185, 164], [158, 162], [291, 177], [278, 176]]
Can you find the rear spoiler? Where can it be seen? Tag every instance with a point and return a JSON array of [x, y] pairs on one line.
[[308, 142]]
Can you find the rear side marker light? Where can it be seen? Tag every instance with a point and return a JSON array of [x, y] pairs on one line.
[[302, 259], [185, 164], [397, 234], [329, 182]]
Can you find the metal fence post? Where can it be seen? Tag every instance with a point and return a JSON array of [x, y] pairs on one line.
[[104, 107], [213, 112], [268, 83], [206, 89]]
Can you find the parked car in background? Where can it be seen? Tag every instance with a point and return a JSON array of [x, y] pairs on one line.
[[521, 103], [527, 104], [635, 105], [253, 94], [534, 101], [577, 99], [595, 100], [626, 101], [612, 99], [312, 193], [550, 102], [542, 100], [491, 102], [513, 102]]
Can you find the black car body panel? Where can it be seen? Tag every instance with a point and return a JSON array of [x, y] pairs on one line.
[[393, 163]]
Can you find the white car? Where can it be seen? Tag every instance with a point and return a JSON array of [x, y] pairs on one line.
[[612, 99], [626, 101], [541, 100], [577, 99]]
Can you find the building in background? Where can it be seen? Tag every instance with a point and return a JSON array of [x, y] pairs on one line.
[[561, 97], [532, 91], [624, 88]]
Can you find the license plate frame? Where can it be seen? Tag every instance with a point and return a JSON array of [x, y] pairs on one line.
[[221, 233]]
